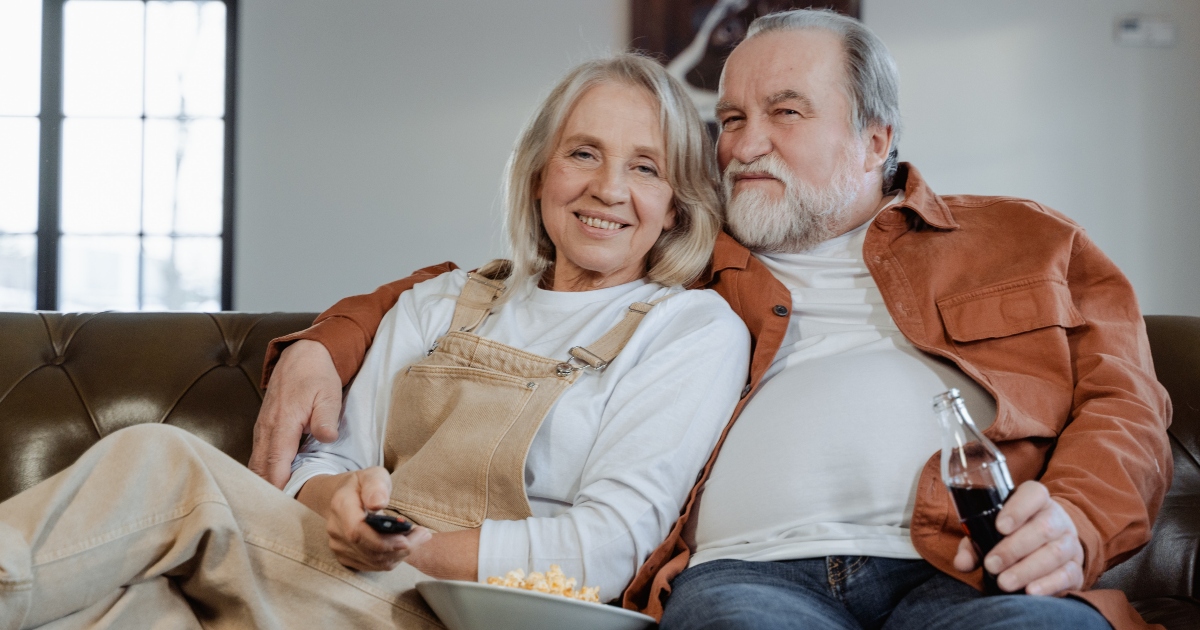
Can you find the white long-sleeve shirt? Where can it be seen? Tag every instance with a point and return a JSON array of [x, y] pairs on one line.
[[825, 458], [609, 468]]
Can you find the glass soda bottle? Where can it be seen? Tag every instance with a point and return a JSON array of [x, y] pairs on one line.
[[974, 471]]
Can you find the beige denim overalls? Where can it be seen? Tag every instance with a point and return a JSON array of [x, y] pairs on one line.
[[463, 418]]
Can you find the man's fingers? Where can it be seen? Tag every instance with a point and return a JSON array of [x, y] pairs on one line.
[[1068, 577], [305, 392], [965, 560], [275, 446], [264, 426], [1047, 525], [1041, 563], [258, 453], [327, 406], [1028, 499]]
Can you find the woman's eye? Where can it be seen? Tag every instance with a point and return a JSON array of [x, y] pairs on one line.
[[583, 154], [646, 169]]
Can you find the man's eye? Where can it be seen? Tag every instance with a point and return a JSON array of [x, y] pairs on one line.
[[789, 112], [733, 122]]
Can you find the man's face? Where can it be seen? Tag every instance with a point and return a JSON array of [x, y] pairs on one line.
[[793, 163]]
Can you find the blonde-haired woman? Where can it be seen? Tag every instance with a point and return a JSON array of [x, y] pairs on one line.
[[554, 409]]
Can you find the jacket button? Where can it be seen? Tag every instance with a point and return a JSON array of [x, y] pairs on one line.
[[745, 390], [780, 310]]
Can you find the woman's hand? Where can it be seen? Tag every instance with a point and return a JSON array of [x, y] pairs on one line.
[[354, 543]]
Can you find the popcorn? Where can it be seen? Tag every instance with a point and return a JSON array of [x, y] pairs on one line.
[[553, 582]]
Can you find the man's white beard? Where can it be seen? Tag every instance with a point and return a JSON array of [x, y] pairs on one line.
[[803, 217]]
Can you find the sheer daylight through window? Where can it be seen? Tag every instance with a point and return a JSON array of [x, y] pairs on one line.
[[115, 141]]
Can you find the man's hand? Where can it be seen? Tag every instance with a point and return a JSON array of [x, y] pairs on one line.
[[354, 543], [304, 396], [1040, 552]]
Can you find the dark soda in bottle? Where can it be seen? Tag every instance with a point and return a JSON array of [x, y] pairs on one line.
[[976, 474]]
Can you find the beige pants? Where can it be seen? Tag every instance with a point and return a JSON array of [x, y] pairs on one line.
[[155, 528]]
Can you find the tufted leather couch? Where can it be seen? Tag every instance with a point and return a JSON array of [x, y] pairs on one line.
[[66, 380]]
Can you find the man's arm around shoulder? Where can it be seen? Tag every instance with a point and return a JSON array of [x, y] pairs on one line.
[[304, 373]]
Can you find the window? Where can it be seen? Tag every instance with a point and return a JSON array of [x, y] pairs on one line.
[[116, 154]]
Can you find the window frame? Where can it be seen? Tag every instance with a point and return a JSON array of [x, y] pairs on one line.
[[50, 119]]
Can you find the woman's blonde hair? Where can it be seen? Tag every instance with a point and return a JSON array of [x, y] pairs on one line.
[[681, 253]]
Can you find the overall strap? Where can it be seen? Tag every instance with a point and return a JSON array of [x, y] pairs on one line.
[[598, 355], [475, 302]]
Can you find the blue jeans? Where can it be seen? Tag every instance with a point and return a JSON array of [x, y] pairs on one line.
[[854, 593]]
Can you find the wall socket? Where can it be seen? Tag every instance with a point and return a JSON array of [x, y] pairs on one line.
[[1140, 30]]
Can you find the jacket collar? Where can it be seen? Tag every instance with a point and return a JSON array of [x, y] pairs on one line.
[[727, 254], [921, 199]]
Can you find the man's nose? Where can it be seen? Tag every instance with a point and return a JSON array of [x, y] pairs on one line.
[[609, 185], [749, 143]]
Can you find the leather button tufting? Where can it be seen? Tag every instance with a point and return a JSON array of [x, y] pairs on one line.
[[58, 360]]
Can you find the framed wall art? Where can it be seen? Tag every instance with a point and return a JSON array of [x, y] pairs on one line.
[[693, 37]]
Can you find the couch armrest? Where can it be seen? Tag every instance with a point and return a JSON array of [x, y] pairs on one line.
[[67, 380]]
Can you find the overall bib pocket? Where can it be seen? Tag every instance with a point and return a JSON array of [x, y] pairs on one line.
[[472, 411]]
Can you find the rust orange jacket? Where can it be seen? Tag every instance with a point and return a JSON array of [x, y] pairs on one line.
[[1013, 293]]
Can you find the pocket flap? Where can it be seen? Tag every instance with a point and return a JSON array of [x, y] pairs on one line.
[[1009, 309]]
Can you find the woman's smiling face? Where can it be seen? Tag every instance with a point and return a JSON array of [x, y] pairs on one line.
[[604, 195]]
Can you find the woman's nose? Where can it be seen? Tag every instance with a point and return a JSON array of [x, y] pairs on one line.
[[610, 186]]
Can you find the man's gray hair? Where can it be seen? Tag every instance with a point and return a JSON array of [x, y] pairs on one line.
[[873, 83]]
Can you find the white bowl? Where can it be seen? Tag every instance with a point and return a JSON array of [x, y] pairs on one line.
[[476, 606]]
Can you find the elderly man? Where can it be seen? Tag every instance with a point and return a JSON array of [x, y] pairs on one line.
[[866, 293]]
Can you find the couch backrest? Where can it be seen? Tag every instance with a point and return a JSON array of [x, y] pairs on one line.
[[1169, 564], [67, 380]]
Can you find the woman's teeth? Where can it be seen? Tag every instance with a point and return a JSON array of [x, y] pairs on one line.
[[599, 223]]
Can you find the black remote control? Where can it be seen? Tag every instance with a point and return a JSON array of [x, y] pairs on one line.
[[387, 524]]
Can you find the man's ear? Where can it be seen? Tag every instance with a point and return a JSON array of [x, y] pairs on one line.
[[877, 140]]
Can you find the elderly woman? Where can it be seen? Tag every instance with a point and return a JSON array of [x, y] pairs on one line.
[[551, 409]]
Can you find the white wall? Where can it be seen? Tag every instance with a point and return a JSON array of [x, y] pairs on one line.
[[1033, 98], [373, 133]]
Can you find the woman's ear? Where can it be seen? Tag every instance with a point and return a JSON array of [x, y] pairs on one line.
[[671, 219]]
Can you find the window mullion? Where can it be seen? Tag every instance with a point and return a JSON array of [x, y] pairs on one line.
[[49, 155], [231, 30]]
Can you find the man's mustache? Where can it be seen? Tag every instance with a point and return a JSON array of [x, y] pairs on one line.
[[770, 165]]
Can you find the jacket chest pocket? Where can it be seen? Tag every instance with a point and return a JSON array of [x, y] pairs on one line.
[[1016, 335], [1009, 309]]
